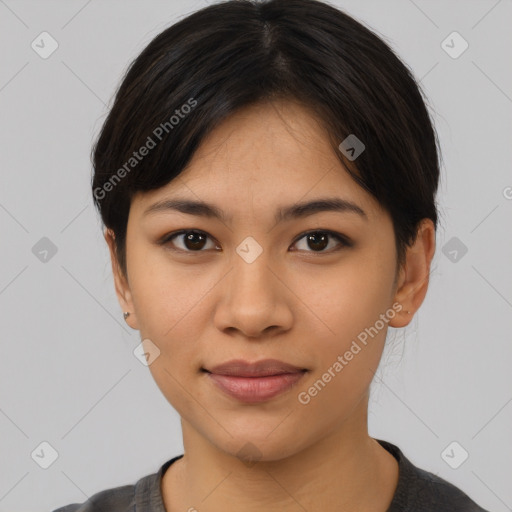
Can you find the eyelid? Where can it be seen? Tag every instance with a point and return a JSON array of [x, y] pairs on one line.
[[340, 237], [167, 238]]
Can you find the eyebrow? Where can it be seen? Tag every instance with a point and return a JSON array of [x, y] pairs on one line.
[[295, 211]]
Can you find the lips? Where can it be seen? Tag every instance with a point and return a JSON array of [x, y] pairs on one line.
[[255, 382], [264, 368]]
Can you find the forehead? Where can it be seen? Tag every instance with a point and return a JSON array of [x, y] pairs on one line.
[[268, 154]]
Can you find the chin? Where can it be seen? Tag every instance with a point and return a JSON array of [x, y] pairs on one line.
[[260, 447]]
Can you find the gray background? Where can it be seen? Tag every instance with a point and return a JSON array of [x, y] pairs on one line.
[[68, 376]]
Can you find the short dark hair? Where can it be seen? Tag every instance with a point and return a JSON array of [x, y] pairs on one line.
[[233, 54]]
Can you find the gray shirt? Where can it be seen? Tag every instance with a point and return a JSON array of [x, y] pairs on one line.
[[417, 491]]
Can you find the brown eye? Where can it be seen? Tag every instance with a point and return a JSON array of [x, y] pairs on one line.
[[318, 241], [189, 241]]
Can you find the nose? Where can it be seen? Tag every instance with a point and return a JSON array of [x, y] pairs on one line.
[[254, 301]]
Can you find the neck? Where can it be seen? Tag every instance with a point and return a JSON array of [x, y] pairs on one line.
[[345, 470]]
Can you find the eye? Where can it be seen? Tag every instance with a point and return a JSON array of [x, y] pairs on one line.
[[319, 240], [196, 241], [190, 240]]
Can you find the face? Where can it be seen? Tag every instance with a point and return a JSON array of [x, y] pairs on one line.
[[314, 289]]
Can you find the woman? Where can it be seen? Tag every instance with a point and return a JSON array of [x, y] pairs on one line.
[[267, 179]]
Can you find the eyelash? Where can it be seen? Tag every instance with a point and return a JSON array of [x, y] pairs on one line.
[[342, 239]]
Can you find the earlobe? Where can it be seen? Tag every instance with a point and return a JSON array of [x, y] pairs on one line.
[[122, 287], [414, 276]]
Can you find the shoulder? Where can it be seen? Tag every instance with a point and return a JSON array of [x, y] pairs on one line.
[[422, 491], [118, 499], [433, 491], [144, 495]]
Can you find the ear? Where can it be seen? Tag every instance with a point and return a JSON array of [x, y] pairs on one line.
[[122, 287], [414, 276]]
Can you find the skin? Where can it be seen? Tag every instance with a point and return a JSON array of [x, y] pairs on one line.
[[298, 302]]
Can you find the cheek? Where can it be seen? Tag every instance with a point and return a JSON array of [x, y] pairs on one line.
[[353, 305], [349, 356], [166, 295], [350, 299], [171, 303]]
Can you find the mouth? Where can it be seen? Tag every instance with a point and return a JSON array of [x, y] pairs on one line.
[[263, 368], [255, 382]]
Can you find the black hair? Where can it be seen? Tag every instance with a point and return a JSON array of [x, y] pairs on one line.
[[236, 53]]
